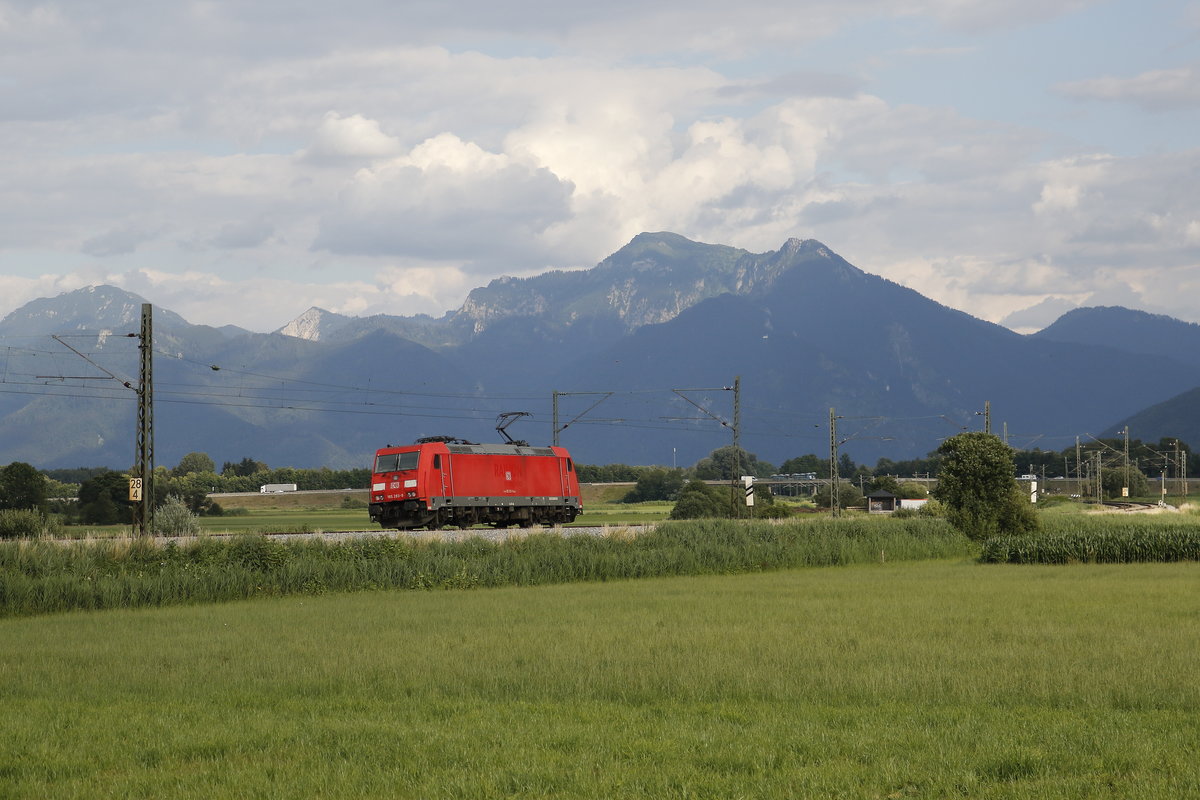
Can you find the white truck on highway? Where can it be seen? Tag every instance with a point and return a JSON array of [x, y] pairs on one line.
[[275, 488]]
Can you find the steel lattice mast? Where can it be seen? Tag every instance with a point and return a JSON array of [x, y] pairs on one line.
[[143, 509]]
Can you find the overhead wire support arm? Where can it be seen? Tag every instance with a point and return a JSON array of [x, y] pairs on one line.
[[735, 427], [555, 426], [704, 410], [123, 381], [141, 482]]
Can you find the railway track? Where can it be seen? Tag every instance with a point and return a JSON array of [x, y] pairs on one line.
[[1126, 505], [444, 535]]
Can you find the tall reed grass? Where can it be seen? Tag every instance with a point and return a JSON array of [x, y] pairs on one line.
[[40, 577]]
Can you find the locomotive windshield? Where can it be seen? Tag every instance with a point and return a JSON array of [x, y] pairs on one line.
[[396, 462]]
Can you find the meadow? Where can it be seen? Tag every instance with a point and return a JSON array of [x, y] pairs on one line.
[[347, 511], [928, 679]]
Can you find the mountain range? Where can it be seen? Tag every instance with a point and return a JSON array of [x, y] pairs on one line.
[[639, 354]]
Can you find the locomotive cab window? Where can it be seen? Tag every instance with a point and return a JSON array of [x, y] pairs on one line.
[[437, 461], [570, 466], [396, 462]]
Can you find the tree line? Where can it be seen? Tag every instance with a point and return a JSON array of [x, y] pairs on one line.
[[100, 496], [97, 495]]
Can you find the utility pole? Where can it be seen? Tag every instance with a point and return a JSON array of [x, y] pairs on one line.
[[1079, 470], [1125, 489], [141, 479], [1179, 472], [987, 416], [833, 465], [141, 485], [737, 444]]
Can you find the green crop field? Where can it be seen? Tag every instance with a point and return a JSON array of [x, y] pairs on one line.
[[929, 679]]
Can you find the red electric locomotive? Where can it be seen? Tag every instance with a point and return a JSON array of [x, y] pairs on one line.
[[432, 484]]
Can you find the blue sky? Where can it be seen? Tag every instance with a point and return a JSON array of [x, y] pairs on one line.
[[239, 163]]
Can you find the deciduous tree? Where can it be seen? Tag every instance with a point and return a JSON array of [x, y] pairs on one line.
[[656, 484], [104, 499], [725, 463], [978, 486], [22, 486], [194, 462], [698, 500]]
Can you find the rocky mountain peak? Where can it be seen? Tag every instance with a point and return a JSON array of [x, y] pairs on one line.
[[312, 324]]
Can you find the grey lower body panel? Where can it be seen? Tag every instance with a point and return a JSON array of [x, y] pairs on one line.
[[505, 501], [465, 512]]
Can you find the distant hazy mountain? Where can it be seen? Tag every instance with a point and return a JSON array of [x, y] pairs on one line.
[[903, 370], [639, 349], [98, 309], [1128, 330], [1175, 418], [1137, 334]]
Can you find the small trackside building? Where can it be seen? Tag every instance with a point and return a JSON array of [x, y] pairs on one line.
[[881, 502]]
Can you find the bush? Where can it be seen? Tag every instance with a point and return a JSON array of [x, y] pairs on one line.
[[698, 501], [656, 484], [932, 509], [772, 511], [174, 518], [848, 495], [23, 523]]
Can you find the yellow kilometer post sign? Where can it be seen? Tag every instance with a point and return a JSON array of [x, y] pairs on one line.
[[135, 490]]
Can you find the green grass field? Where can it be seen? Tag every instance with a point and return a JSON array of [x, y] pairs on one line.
[[297, 520], [930, 679], [288, 512], [285, 512]]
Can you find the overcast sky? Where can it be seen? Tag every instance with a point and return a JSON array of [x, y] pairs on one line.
[[239, 162]]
